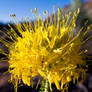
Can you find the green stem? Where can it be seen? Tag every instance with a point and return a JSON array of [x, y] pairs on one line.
[[44, 86]]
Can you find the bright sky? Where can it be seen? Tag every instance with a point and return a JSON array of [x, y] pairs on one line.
[[22, 7]]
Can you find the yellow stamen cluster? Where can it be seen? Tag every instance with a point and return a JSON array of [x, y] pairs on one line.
[[49, 48]]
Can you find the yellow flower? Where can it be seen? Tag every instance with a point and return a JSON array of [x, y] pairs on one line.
[[46, 48]]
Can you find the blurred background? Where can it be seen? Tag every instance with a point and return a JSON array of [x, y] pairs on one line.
[[21, 8]]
